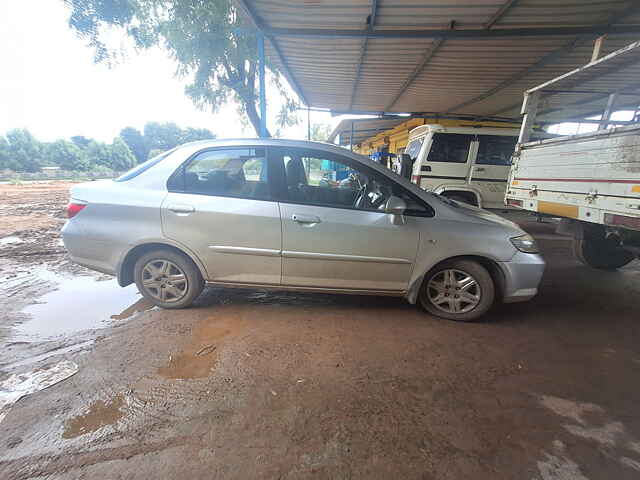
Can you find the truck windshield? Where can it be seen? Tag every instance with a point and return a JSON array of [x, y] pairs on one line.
[[413, 149]]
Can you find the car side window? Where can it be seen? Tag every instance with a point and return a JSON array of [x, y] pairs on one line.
[[325, 179], [495, 150], [237, 172], [450, 147]]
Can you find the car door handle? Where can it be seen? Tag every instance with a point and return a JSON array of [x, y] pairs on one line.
[[480, 169], [181, 209], [305, 218]]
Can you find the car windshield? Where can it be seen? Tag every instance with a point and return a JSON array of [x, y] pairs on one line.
[[138, 169], [413, 149]]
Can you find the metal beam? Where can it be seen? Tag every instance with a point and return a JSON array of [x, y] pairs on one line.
[[286, 70], [371, 22], [632, 7], [546, 60], [451, 34], [263, 93], [428, 55], [438, 44], [508, 5]]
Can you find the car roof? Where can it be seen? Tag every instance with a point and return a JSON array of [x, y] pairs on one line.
[[270, 142]]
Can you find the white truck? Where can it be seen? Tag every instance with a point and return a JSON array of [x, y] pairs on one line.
[[467, 164], [590, 180]]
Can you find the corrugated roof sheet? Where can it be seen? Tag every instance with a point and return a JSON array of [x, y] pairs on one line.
[[482, 76]]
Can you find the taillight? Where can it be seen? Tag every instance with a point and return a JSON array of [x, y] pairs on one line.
[[74, 208]]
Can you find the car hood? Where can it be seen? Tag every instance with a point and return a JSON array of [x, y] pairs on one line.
[[464, 212]]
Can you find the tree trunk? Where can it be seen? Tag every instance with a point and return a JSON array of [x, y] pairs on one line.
[[254, 118]]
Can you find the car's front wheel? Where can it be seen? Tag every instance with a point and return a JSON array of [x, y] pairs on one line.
[[167, 278], [460, 289]]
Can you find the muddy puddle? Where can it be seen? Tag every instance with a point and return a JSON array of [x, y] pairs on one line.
[[77, 304], [100, 414]]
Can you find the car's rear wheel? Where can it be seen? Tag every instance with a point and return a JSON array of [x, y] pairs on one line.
[[461, 290], [168, 278]]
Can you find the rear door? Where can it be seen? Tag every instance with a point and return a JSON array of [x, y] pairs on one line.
[[447, 160], [491, 167], [220, 206], [329, 240]]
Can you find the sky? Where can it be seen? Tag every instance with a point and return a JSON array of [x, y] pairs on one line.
[[50, 84]]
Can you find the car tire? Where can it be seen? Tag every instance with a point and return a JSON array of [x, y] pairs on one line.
[[467, 279], [167, 278]]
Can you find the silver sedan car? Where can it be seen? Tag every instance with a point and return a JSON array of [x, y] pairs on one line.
[[295, 215]]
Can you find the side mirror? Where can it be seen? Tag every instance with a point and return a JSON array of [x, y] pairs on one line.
[[395, 206]]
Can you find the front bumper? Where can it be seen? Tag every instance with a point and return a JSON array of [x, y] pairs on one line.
[[522, 276]]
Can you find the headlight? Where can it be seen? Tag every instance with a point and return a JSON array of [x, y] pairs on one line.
[[525, 243]]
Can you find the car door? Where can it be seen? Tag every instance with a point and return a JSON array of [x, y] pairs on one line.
[[491, 167], [220, 206], [447, 160], [329, 242]]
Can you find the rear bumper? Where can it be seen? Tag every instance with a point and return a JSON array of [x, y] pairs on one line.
[[90, 253], [522, 277]]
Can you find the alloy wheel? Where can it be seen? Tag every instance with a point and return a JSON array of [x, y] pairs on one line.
[[164, 280], [454, 291]]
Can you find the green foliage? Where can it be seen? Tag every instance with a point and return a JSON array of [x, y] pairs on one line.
[[136, 143], [4, 153], [195, 134], [21, 152], [320, 132], [80, 141], [162, 136], [155, 153], [203, 36], [121, 157], [68, 156], [24, 151]]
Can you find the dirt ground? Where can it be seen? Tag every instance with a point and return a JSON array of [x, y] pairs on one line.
[[250, 384]]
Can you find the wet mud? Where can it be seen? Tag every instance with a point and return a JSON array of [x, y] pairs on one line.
[[254, 384]]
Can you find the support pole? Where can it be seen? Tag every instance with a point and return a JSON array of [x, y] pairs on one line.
[[351, 137], [597, 47], [530, 110], [606, 116], [308, 123], [263, 94]]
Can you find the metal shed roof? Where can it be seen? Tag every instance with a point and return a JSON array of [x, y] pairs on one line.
[[362, 129], [446, 56], [585, 91]]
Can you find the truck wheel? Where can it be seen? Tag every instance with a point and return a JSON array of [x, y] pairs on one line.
[[167, 278], [600, 254], [461, 290]]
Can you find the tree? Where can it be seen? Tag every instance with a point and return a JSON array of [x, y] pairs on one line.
[[99, 153], [81, 141], [121, 157], [4, 154], [136, 143], [24, 151], [162, 136], [320, 132], [209, 39], [67, 155], [194, 134]]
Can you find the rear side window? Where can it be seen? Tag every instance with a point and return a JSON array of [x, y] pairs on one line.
[[238, 172], [450, 147], [495, 150], [143, 167]]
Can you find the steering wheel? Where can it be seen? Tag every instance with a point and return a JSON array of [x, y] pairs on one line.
[[364, 198]]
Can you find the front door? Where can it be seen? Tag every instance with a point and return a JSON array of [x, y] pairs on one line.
[[335, 233], [220, 207], [491, 168]]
